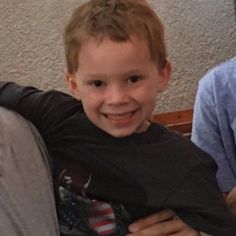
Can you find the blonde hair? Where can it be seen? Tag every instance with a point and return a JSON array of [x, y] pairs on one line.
[[116, 20]]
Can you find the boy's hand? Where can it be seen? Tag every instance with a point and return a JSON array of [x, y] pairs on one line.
[[231, 200], [163, 223]]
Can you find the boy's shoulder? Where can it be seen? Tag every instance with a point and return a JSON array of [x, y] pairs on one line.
[[181, 149]]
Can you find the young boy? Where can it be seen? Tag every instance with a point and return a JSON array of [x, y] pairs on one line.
[[111, 165]]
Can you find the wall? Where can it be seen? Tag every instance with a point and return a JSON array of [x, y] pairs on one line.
[[199, 34]]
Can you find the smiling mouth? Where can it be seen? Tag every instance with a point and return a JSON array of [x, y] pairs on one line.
[[118, 117]]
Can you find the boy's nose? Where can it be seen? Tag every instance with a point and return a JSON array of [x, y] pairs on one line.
[[116, 96]]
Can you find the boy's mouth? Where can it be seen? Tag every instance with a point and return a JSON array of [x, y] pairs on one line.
[[120, 116]]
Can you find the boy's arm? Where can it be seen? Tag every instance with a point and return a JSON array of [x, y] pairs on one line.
[[162, 223], [44, 109], [197, 201], [19, 98], [205, 207]]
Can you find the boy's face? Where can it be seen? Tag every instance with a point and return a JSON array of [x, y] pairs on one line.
[[118, 83]]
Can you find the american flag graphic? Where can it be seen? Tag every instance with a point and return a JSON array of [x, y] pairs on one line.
[[102, 218]]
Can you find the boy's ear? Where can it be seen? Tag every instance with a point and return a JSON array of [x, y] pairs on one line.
[[71, 84], [165, 75]]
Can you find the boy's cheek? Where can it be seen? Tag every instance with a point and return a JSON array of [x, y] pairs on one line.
[[76, 94]]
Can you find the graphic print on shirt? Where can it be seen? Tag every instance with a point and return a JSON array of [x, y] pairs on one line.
[[79, 215]]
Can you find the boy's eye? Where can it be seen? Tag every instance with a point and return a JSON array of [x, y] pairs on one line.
[[134, 79], [97, 83]]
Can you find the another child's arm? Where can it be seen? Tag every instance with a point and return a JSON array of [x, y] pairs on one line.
[[206, 132]]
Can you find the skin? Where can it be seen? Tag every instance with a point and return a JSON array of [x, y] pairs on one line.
[[231, 200], [163, 223], [117, 84]]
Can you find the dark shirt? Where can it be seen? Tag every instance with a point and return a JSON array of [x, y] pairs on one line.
[[137, 175]]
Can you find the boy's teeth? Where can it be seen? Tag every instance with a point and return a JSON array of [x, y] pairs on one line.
[[119, 116]]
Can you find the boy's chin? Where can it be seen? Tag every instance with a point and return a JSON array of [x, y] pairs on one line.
[[127, 131], [120, 133]]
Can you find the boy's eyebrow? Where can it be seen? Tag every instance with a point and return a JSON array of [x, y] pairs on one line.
[[95, 76], [135, 71], [126, 73]]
